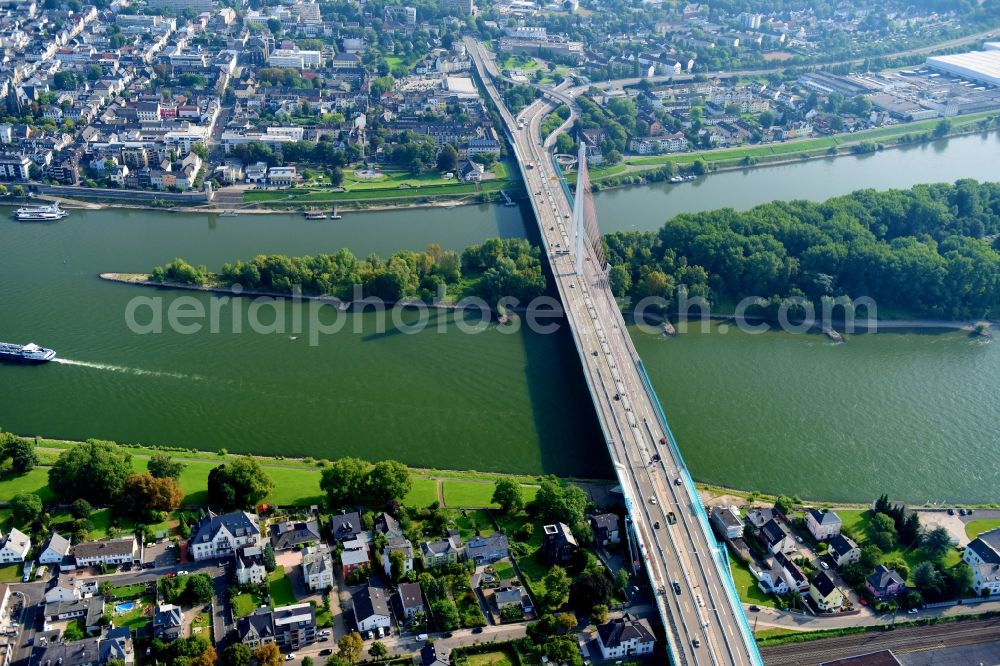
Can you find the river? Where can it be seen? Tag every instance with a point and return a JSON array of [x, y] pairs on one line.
[[913, 415]]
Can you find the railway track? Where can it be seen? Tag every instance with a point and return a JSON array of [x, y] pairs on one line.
[[900, 641]]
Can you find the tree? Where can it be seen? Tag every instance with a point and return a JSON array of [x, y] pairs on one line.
[[882, 531], [336, 176], [589, 590], [268, 654], [22, 454], [388, 481], [599, 614], [507, 493], [94, 470], [350, 646], [163, 466], [81, 509], [556, 583], [942, 129], [236, 654], [928, 579], [145, 494], [378, 651], [270, 564], [344, 481], [25, 507], [784, 504], [566, 621], [447, 159], [240, 484], [397, 565], [307, 661], [936, 543], [555, 503], [199, 589]]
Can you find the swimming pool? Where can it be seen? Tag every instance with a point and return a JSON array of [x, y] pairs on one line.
[[124, 607]]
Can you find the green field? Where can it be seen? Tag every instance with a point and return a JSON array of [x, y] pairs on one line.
[[974, 528], [245, 604], [477, 493], [423, 493], [280, 587], [10, 573], [473, 520], [746, 585]]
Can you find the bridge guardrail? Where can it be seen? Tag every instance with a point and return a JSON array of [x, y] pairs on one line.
[[720, 553]]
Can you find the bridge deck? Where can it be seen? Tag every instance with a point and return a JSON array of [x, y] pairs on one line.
[[704, 621]]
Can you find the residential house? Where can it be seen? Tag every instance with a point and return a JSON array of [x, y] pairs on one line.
[[294, 626], [791, 573], [56, 550], [823, 525], [317, 568], [60, 589], [289, 534], [442, 552], [112, 552], [14, 547], [429, 657], [397, 544], [346, 526], [757, 518], [389, 526], [219, 536], [606, 528], [507, 596], [558, 543], [471, 172], [88, 610], [354, 557], [484, 145], [487, 549], [250, 568], [842, 550], [777, 538], [114, 646], [983, 557], [825, 593], [772, 579], [167, 622], [727, 522], [283, 176], [256, 629], [624, 637], [411, 601], [885, 583], [371, 609], [257, 173]]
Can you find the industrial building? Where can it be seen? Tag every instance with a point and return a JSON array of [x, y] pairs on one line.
[[980, 66]]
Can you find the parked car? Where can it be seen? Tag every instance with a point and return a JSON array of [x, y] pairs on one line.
[[290, 656], [477, 630], [824, 564], [325, 652], [183, 572], [421, 637]]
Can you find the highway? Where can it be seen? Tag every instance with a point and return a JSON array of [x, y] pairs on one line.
[[702, 616]]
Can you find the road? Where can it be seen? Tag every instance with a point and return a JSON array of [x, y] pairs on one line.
[[704, 623], [900, 641]]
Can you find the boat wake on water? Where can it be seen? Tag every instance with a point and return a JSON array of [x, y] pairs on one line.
[[125, 369]]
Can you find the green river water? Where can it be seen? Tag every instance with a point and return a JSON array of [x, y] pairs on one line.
[[916, 415]]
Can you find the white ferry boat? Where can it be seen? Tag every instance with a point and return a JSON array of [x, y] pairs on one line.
[[40, 213]]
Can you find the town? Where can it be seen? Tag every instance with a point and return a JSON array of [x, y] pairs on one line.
[[303, 103], [120, 571]]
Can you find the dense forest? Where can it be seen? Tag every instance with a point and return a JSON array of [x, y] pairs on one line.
[[493, 269], [930, 251]]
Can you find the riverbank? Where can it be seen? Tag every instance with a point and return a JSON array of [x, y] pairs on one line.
[[722, 160]]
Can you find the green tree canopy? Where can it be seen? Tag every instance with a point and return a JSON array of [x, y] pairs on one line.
[[95, 471]]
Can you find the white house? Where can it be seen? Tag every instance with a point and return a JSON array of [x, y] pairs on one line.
[[401, 545], [250, 566], [317, 568], [109, 551], [371, 609], [222, 536], [56, 550], [59, 590], [822, 524], [15, 547], [983, 556], [625, 636], [842, 550]]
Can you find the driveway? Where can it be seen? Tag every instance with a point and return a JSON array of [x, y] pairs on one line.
[[954, 524]]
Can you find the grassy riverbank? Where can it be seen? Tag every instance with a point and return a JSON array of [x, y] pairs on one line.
[[744, 157], [296, 480]]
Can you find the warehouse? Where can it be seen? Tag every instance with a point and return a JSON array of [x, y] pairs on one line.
[[979, 66]]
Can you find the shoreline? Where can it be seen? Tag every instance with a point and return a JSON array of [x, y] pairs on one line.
[[722, 166], [713, 490], [361, 204], [141, 279]]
